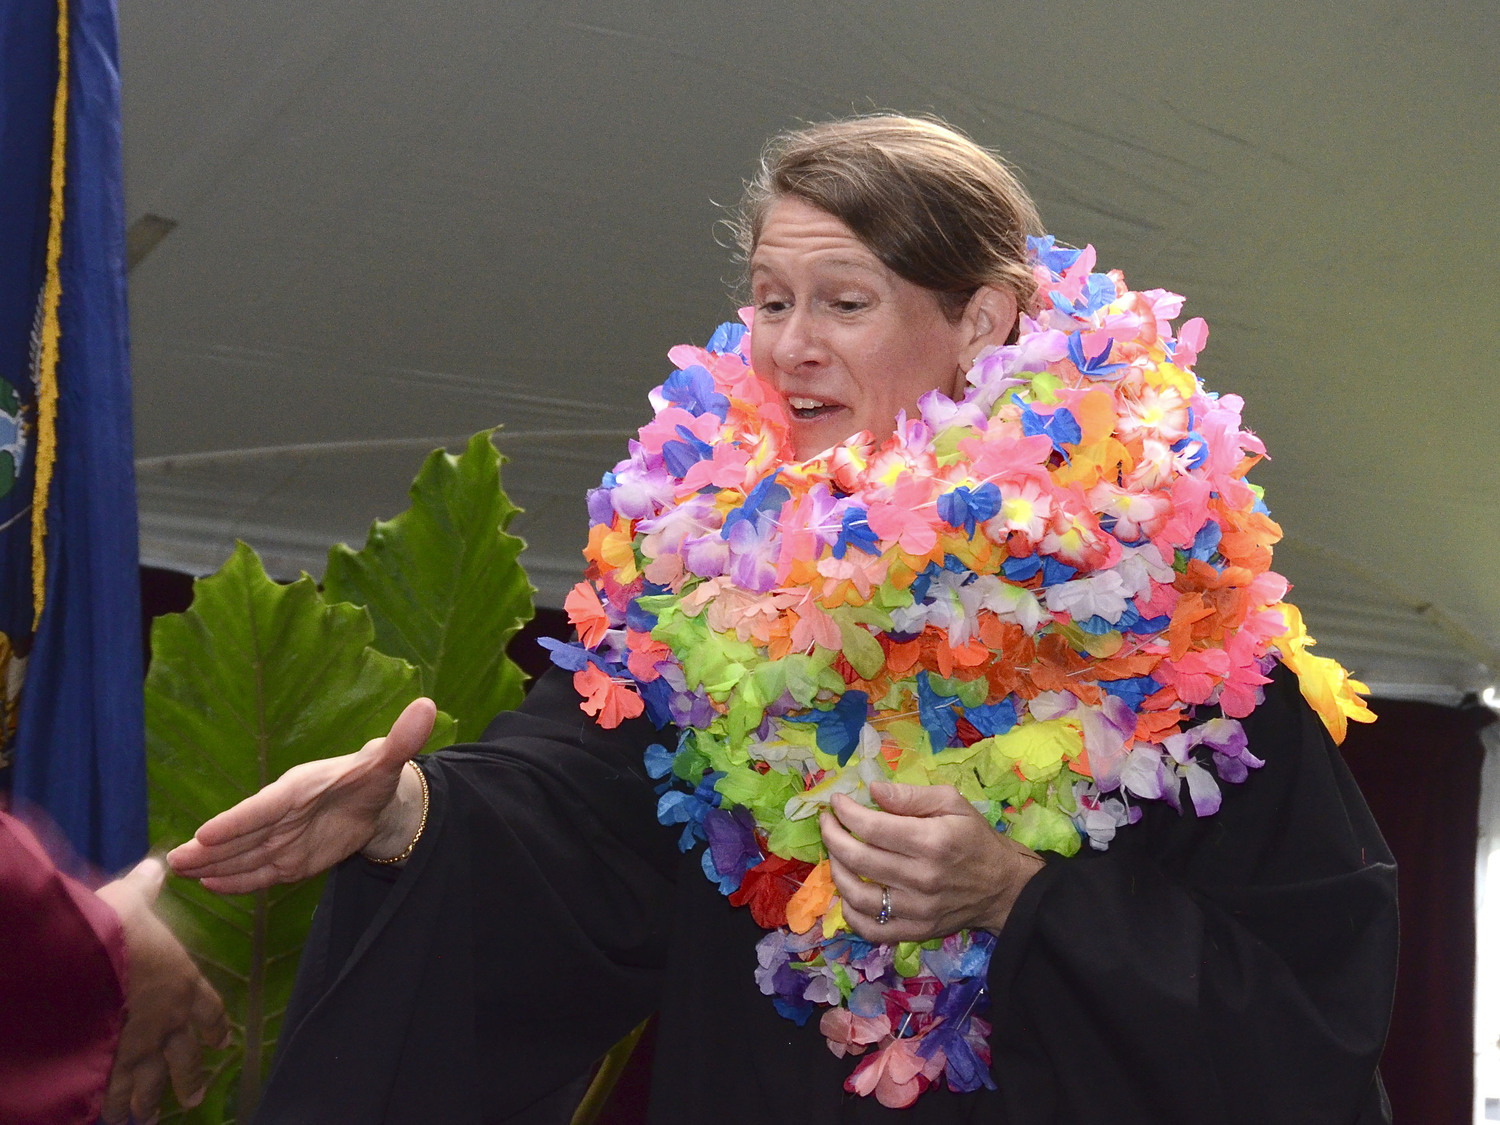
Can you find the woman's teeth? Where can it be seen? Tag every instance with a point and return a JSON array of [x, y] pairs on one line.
[[805, 409]]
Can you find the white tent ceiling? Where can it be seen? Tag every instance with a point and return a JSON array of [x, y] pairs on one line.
[[400, 222]]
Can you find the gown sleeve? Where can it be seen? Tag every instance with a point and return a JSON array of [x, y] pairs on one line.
[[1235, 968], [526, 934], [62, 987]]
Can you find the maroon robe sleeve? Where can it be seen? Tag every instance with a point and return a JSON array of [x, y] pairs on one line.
[[62, 988]]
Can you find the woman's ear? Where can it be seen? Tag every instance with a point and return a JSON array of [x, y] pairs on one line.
[[988, 320]]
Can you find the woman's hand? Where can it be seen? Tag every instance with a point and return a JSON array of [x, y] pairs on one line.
[[170, 1009], [946, 867], [316, 815]]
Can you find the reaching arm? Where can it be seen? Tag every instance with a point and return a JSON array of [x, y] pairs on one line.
[[525, 934], [170, 1009], [99, 1004], [315, 815]]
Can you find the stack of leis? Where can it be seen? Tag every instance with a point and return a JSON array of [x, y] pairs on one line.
[[1026, 595]]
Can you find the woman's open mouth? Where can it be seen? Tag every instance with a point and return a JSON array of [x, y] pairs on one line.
[[806, 409]]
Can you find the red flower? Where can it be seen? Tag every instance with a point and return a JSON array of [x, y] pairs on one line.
[[768, 887]]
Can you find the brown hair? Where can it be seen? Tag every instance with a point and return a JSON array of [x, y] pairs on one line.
[[935, 207]]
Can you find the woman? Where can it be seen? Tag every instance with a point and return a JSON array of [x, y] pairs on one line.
[[518, 909]]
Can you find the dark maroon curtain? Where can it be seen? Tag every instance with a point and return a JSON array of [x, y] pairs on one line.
[[1419, 767]]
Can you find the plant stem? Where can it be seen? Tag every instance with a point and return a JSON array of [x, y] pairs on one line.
[[256, 987], [254, 1012]]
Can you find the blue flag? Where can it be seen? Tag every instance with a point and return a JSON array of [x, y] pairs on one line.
[[70, 654]]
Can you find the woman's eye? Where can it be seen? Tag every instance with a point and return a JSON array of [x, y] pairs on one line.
[[771, 305], [848, 304]]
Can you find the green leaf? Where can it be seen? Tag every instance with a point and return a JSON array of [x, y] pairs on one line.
[[971, 693], [1042, 829], [253, 679], [715, 661], [841, 978], [443, 586], [765, 793], [861, 649], [908, 958], [798, 839]]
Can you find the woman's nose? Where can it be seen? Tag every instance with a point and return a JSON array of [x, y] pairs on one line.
[[798, 343]]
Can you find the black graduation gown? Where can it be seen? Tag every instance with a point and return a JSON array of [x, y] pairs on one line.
[[1237, 968]]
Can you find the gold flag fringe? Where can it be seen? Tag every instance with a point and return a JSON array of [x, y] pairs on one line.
[[46, 406]]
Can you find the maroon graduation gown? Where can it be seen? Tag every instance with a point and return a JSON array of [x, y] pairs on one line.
[[62, 988]]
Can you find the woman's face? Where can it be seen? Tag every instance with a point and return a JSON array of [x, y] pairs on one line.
[[846, 341]]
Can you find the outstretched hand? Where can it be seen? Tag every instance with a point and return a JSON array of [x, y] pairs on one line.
[[315, 815], [946, 867], [171, 1011]]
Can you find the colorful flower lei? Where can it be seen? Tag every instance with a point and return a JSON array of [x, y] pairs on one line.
[[1026, 595]]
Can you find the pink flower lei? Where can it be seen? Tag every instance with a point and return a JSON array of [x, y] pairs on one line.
[[1028, 595]]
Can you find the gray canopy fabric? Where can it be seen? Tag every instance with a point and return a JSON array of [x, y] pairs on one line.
[[398, 223]]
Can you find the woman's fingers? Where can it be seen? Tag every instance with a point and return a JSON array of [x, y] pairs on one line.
[[860, 858], [919, 800], [257, 880], [409, 733], [945, 865], [854, 891], [195, 858], [917, 834], [238, 863], [281, 806], [864, 874], [865, 892], [861, 903], [274, 859], [310, 818], [256, 813], [245, 825]]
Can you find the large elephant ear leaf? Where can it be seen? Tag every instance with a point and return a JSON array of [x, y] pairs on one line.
[[253, 679], [443, 584]]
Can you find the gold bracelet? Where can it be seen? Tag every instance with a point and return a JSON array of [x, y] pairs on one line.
[[421, 824]]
